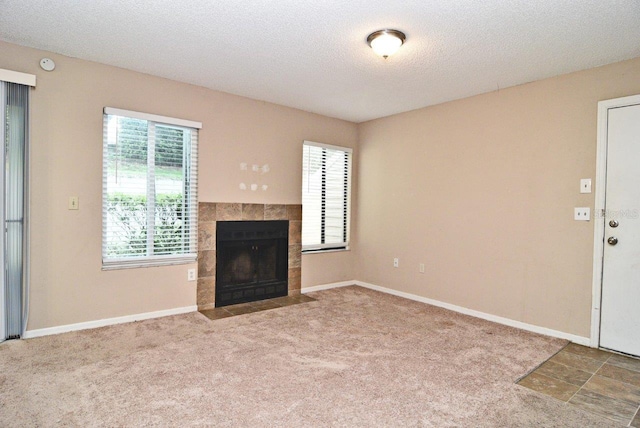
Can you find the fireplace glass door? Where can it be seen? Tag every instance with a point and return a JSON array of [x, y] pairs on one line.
[[251, 261]]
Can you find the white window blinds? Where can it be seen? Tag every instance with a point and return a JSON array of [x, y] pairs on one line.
[[149, 201], [326, 188]]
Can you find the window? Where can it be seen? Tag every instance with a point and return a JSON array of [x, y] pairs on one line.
[[149, 201], [326, 191]]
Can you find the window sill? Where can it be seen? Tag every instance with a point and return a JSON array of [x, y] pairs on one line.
[[146, 264]]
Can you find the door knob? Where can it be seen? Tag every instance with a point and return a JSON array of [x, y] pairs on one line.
[[612, 240], [614, 223]]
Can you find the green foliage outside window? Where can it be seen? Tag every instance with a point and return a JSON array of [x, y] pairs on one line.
[[132, 143], [129, 216]]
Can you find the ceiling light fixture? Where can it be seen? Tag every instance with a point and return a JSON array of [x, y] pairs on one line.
[[386, 42]]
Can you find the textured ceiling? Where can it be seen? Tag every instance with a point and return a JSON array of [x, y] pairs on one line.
[[312, 54]]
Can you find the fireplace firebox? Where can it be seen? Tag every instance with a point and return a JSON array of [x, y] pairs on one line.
[[251, 261]]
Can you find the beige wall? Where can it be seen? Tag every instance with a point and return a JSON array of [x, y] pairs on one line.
[[482, 191], [67, 283]]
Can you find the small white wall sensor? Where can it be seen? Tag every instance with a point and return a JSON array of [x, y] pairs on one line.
[[47, 64]]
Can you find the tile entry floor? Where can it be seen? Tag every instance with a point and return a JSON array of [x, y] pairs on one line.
[[597, 381], [260, 305]]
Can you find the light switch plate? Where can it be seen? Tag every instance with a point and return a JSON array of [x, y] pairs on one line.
[[585, 185], [582, 213], [74, 204]]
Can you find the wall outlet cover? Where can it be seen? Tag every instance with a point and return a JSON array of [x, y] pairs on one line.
[[582, 213]]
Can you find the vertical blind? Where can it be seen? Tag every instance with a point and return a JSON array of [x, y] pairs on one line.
[[326, 184], [149, 204], [14, 109]]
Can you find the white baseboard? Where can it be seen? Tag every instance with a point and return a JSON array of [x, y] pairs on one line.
[[483, 315], [29, 334], [306, 290], [149, 315]]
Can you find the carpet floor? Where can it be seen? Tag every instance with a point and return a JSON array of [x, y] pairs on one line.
[[352, 358]]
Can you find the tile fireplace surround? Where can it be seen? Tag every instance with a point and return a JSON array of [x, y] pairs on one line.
[[211, 212]]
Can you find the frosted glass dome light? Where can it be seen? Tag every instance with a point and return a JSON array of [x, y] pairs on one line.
[[386, 42]]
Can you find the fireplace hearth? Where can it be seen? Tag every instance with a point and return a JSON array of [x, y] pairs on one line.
[[251, 261]]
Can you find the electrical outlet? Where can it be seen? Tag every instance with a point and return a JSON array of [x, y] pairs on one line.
[[421, 267], [191, 275], [396, 262], [582, 213]]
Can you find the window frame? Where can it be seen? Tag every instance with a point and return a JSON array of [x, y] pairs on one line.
[[190, 174], [332, 247]]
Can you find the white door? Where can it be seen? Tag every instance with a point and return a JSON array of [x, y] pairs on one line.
[[620, 305]]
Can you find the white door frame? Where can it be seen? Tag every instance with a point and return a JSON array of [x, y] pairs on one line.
[[3, 285], [598, 213]]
